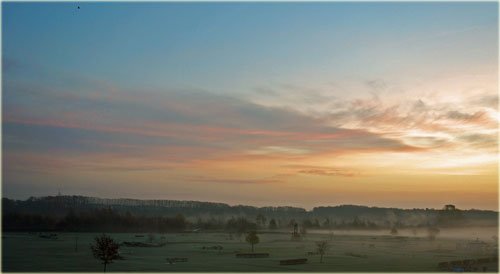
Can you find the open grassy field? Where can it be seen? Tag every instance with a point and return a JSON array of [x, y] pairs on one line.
[[348, 252]]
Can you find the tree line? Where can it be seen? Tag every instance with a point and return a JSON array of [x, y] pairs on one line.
[[74, 213], [96, 220], [107, 219]]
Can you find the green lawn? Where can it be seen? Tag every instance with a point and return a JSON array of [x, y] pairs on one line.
[[348, 253]]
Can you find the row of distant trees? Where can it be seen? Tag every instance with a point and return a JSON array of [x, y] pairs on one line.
[[107, 219], [93, 221], [214, 216], [59, 205], [98, 220], [261, 222]]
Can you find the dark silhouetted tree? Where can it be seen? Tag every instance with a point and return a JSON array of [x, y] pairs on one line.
[[272, 224], [321, 248], [105, 249], [252, 238], [394, 231]]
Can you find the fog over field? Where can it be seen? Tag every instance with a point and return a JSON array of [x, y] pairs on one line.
[[469, 233], [166, 235]]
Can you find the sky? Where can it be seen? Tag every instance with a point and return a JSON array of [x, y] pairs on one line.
[[301, 104]]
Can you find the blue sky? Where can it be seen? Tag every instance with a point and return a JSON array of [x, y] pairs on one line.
[[233, 101], [236, 46]]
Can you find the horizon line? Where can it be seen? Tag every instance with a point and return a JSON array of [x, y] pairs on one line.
[[235, 205]]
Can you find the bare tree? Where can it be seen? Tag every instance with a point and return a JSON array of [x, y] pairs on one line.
[[252, 238], [321, 248], [105, 249]]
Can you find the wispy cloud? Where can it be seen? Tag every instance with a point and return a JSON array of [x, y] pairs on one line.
[[327, 172], [205, 179]]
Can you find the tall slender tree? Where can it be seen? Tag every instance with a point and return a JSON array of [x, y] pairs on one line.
[[322, 247], [252, 238]]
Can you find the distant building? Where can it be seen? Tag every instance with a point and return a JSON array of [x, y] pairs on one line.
[[449, 207]]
